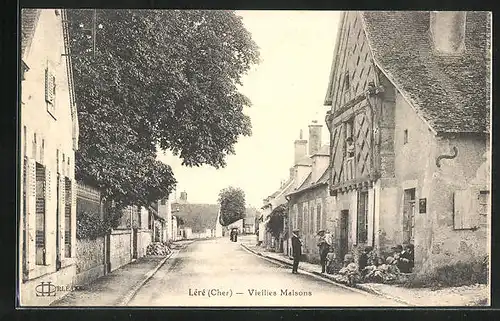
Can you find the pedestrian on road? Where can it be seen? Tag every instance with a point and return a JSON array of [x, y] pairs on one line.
[[296, 250], [323, 250]]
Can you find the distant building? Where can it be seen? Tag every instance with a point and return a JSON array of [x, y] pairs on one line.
[[197, 217]]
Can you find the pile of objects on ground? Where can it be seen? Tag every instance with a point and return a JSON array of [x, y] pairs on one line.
[[158, 249], [349, 274], [371, 268]]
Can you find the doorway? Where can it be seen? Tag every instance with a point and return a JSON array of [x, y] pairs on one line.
[[409, 216], [344, 234], [134, 243], [107, 254]]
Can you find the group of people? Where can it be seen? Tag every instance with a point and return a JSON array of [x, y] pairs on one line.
[[370, 266], [402, 257], [326, 250]]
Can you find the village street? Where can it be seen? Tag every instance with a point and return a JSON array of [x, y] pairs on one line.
[[218, 266]]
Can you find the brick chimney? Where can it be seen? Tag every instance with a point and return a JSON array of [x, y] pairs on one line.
[[300, 148], [447, 29], [314, 137]]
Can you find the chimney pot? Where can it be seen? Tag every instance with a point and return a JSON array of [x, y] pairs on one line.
[[314, 137], [447, 29]]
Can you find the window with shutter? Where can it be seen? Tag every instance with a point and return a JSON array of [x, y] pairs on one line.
[[311, 219], [305, 216], [465, 214], [50, 89], [362, 217], [484, 208], [319, 217], [40, 236], [25, 217], [67, 217]]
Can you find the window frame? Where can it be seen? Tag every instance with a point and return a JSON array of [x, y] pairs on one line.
[[362, 217]]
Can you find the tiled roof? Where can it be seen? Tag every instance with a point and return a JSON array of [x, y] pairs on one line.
[[451, 93], [29, 20], [308, 183], [197, 216]]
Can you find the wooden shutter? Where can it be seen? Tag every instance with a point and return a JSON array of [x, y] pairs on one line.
[[31, 208], [371, 201], [50, 84], [319, 217], [25, 244], [465, 204], [67, 217], [40, 237], [353, 215]]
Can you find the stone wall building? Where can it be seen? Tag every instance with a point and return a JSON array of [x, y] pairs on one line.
[[411, 89], [310, 205], [49, 139]]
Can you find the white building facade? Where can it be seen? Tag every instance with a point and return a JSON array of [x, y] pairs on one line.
[[49, 139]]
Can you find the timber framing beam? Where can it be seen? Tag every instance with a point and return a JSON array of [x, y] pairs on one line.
[[352, 107]]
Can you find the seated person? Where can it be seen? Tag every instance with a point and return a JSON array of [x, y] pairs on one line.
[[363, 258], [406, 259]]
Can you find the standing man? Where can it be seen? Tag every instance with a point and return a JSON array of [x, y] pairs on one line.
[[324, 248], [296, 250]]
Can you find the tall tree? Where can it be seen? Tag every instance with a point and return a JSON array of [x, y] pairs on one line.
[[232, 205], [158, 78]]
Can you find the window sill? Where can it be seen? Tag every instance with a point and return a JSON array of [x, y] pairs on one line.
[[39, 271], [68, 262]]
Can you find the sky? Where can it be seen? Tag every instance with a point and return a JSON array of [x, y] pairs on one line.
[[287, 90]]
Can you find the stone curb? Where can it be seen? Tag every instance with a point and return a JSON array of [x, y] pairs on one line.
[[130, 295], [361, 288]]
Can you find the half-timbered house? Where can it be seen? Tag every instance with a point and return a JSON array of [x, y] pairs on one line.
[[409, 123]]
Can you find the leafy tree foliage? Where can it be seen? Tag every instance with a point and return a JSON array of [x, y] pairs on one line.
[[275, 225], [232, 205], [158, 78]]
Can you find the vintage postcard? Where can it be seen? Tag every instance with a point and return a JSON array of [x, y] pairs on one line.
[[182, 158]]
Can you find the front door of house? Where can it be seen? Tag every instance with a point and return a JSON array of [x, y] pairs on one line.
[[409, 216], [344, 233]]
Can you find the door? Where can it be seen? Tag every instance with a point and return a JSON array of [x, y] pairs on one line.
[[107, 254], [409, 216], [134, 243], [344, 234]]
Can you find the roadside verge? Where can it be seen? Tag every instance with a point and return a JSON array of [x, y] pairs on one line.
[[360, 288]]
